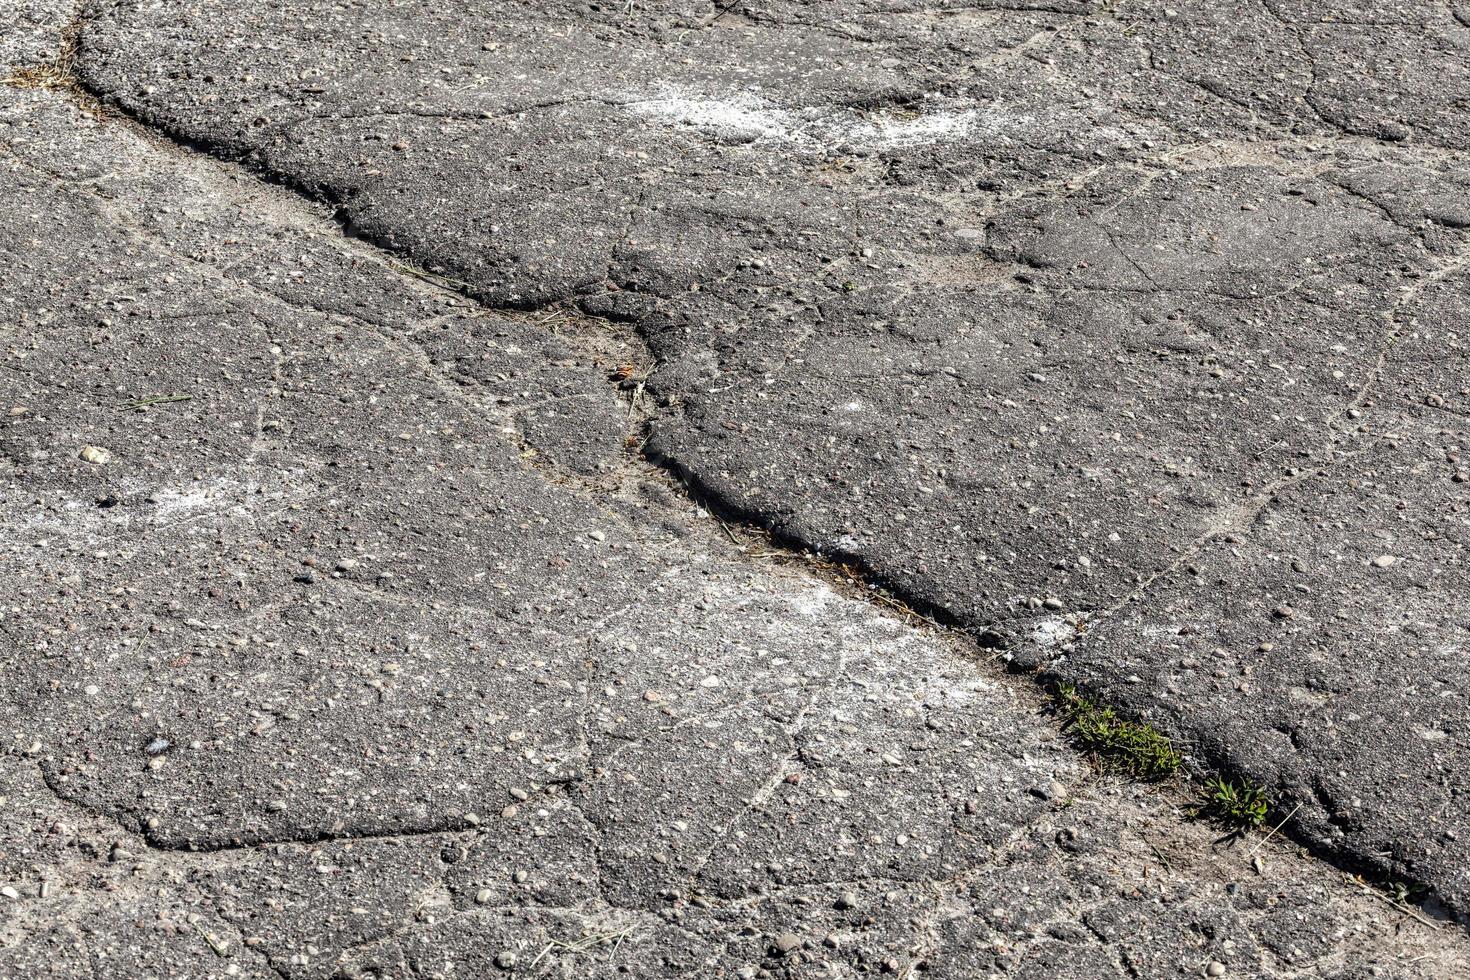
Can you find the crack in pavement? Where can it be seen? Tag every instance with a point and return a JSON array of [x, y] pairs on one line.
[[708, 498]]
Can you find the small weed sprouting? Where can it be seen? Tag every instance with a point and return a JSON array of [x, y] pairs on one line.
[[1405, 893], [1239, 808], [1115, 744]]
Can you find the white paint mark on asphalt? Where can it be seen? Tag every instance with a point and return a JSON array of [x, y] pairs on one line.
[[747, 117], [1052, 632], [170, 504]]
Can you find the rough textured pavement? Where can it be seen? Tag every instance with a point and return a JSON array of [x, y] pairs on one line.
[[345, 632]]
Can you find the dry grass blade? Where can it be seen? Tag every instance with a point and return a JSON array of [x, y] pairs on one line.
[[157, 400], [1389, 900], [220, 949], [52, 76], [588, 941]]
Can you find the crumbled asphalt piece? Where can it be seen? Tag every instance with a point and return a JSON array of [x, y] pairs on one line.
[[1021, 310], [1207, 647]]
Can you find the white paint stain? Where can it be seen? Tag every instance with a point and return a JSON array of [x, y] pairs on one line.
[[170, 504], [747, 117], [1052, 632]]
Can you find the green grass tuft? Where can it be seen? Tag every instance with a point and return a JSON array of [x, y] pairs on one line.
[[1115, 744], [1239, 808]]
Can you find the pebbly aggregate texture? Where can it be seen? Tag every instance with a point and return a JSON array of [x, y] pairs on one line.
[[1127, 337], [31, 34], [323, 660], [345, 633]]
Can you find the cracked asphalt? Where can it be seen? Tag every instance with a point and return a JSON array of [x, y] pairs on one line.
[[600, 489]]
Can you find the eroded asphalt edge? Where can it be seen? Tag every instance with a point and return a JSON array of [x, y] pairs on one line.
[[850, 574]]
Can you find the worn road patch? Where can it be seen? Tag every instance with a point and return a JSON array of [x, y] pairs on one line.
[[348, 633]]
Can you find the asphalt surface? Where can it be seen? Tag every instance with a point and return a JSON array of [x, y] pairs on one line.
[[356, 624]]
